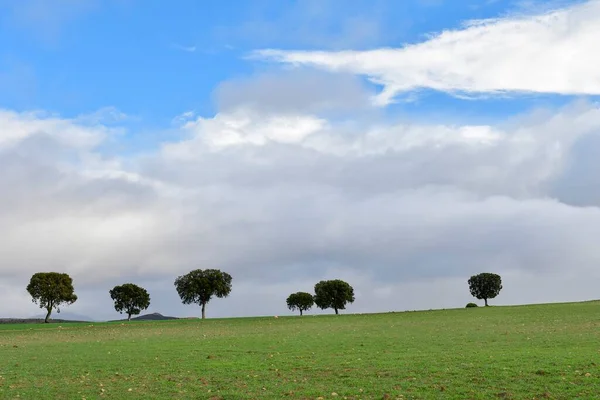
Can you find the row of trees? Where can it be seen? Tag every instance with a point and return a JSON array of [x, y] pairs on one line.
[[52, 290], [336, 293]]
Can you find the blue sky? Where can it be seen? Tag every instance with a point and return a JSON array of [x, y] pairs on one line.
[[155, 60], [399, 145]]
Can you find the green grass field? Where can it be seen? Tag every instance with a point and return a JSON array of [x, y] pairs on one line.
[[527, 352]]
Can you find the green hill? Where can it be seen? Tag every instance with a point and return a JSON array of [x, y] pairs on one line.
[[524, 352]]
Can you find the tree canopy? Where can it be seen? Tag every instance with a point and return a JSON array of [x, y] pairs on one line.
[[485, 286], [130, 299], [333, 294], [301, 301], [51, 290], [199, 286]]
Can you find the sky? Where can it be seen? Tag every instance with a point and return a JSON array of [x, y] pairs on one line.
[[400, 146]]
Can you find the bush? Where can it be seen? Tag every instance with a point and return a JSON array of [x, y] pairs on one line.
[[471, 305]]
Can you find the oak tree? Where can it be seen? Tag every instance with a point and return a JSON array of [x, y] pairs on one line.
[[199, 286], [130, 299], [301, 301], [485, 286], [333, 294], [51, 290]]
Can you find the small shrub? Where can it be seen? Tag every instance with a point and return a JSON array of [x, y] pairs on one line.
[[471, 305]]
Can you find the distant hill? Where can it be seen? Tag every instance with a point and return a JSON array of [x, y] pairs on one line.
[[66, 316], [153, 317], [69, 317], [35, 321], [62, 318], [148, 317]]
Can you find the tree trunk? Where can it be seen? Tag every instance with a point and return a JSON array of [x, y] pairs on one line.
[[203, 310], [128, 316], [336, 310], [47, 320], [300, 312], [486, 304]]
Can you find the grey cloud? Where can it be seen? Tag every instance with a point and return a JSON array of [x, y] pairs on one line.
[[527, 158], [295, 91], [579, 184], [349, 213]]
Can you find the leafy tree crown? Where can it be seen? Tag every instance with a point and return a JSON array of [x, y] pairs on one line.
[[333, 294], [300, 301], [199, 286], [485, 285], [51, 290], [130, 298]]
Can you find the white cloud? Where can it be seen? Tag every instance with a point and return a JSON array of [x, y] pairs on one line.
[[554, 52], [283, 200], [242, 127], [17, 126]]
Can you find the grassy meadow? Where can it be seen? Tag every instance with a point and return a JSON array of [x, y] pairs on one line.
[[525, 352]]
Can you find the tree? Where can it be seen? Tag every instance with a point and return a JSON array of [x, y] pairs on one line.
[[333, 294], [485, 286], [301, 301], [199, 286], [130, 298], [51, 290]]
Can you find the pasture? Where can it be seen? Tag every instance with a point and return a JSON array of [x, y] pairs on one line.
[[525, 352]]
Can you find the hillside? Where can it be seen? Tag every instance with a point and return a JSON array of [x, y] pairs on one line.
[[538, 351]]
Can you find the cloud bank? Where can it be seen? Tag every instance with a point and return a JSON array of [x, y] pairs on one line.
[[282, 200]]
